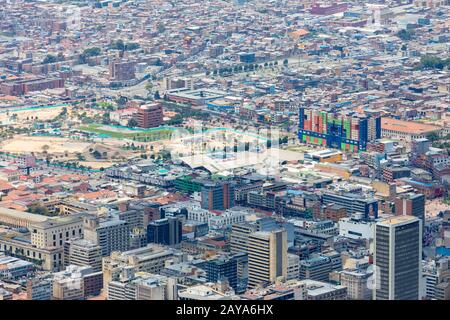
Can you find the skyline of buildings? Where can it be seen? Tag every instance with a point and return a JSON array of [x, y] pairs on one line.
[[224, 150]]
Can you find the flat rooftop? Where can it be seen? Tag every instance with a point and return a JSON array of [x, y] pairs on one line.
[[30, 217], [198, 94], [410, 127], [395, 220]]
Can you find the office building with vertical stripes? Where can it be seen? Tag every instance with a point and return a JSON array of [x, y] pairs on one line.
[[345, 131]]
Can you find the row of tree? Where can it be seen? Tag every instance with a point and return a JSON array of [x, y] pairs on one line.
[[87, 53], [433, 62], [50, 58], [122, 46], [244, 68]]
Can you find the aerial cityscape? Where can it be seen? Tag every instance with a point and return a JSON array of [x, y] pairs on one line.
[[239, 150]]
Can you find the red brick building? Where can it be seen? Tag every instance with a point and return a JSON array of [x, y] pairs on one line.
[[150, 115], [24, 86]]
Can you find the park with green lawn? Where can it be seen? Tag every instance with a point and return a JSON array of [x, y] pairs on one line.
[[120, 132]]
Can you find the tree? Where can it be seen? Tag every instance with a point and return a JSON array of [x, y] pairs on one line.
[[50, 59], [177, 119], [405, 35], [149, 86], [63, 112], [38, 209], [433, 136], [122, 100], [80, 157], [97, 154], [119, 45], [283, 140], [433, 62], [132, 46], [91, 52], [165, 156], [106, 118], [132, 123]]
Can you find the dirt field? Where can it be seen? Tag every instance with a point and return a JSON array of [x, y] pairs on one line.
[[96, 165], [42, 114], [20, 144], [433, 207]]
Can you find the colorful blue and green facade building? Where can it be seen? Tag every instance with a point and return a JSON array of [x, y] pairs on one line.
[[344, 131]]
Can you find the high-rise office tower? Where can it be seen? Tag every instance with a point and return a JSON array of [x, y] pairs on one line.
[[158, 231], [239, 236], [217, 195], [110, 234], [267, 257], [241, 231], [166, 231], [221, 268], [397, 258], [175, 230]]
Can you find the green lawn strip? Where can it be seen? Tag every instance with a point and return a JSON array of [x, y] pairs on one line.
[[142, 136]]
